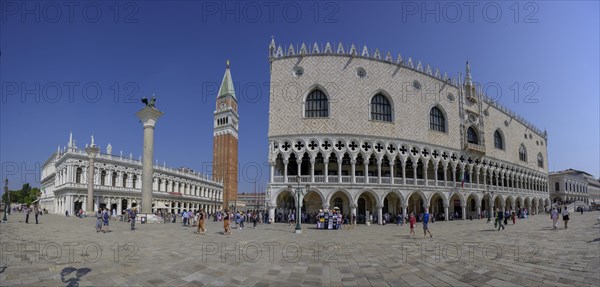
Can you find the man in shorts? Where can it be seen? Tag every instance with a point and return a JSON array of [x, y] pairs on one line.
[[105, 218]]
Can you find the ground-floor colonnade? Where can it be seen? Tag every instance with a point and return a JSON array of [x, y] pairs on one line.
[[366, 202]]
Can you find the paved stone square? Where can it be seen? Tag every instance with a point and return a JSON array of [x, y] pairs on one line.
[[67, 251]]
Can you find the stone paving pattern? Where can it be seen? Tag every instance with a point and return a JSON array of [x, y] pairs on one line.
[[272, 255]]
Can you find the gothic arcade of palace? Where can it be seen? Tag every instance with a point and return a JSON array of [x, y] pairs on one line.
[[371, 134]]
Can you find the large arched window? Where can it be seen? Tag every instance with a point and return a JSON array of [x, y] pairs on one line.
[[381, 110], [472, 136], [316, 105], [522, 153], [540, 160], [437, 121], [498, 142]]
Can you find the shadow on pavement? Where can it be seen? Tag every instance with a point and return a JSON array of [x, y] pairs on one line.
[[67, 273], [595, 240]]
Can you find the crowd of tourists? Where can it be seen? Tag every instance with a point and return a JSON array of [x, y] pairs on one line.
[[29, 211]]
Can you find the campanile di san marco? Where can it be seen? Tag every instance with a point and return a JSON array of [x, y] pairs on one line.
[[225, 143]]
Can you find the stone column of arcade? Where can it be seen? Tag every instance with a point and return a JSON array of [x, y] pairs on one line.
[[91, 151], [446, 218], [148, 117], [353, 207]]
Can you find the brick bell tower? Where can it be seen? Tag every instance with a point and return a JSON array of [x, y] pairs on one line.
[[225, 139]]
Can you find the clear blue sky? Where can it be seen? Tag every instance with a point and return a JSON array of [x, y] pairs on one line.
[[177, 50]]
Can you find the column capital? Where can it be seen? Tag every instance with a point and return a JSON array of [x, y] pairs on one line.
[[379, 206], [325, 206], [148, 116], [353, 205]]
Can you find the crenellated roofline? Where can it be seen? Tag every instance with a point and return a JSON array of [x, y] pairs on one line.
[[320, 50]]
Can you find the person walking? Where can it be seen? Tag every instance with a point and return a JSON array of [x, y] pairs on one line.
[[500, 218], [226, 227], [565, 215], [98, 221], [132, 216], [412, 220], [554, 217], [201, 217], [27, 211], [513, 216], [36, 212], [254, 219], [105, 217], [426, 224], [242, 219], [184, 217]]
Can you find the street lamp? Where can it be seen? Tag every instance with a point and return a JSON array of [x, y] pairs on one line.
[[7, 203], [299, 193]]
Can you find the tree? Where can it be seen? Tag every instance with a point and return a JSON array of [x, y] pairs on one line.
[[26, 195]]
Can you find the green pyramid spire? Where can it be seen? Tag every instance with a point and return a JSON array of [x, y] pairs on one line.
[[226, 88]]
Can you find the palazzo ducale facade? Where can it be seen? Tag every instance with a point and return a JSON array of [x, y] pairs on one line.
[[371, 134]]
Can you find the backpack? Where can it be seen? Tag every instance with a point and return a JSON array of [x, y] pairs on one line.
[[105, 216]]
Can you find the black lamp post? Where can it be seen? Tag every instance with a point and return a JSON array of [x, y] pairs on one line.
[[7, 203], [299, 193]]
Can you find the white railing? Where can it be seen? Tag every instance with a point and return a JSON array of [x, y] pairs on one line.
[[332, 179]]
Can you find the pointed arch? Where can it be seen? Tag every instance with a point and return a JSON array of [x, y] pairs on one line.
[[540, 160], [499, 139], [437, 119], [342, 190], [522, 153], [316, 103], [371, 192], [472, 135], [381, 107]]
